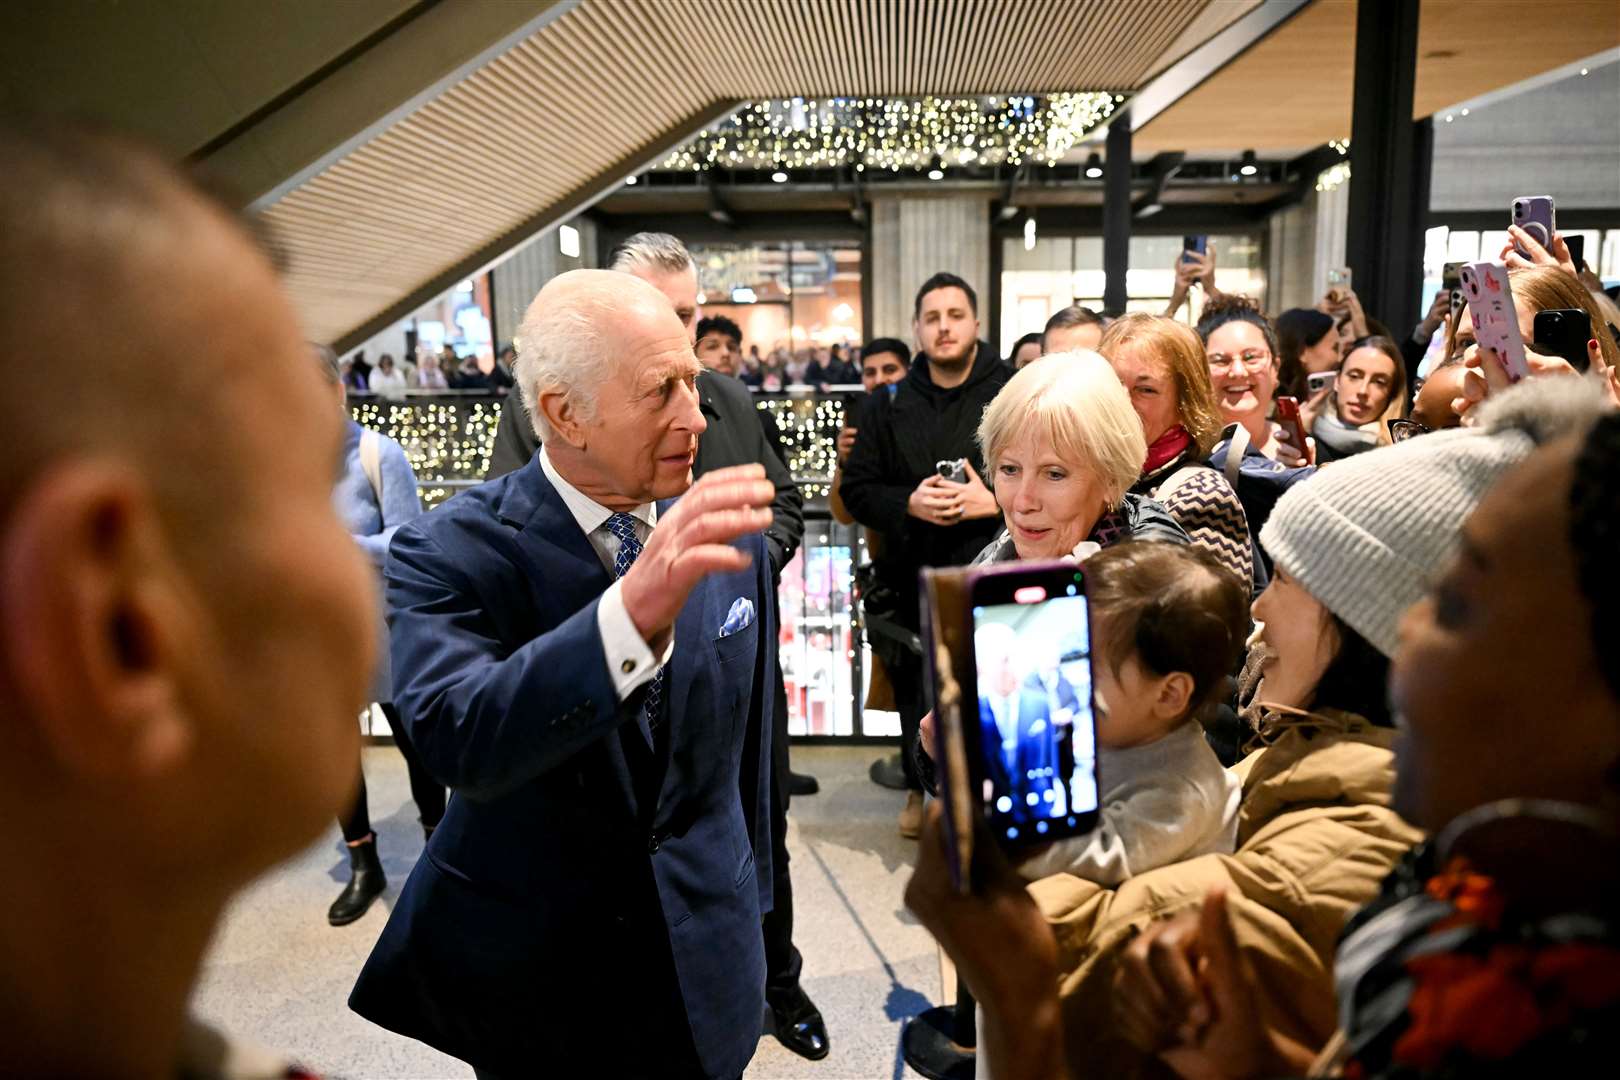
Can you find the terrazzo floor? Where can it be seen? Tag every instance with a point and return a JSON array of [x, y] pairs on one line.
[[280, 976]]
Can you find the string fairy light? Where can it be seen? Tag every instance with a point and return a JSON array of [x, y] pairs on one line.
[[448, 440], [895, 133]]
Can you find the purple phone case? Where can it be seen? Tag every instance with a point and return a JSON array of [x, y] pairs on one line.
[[1535, 215]]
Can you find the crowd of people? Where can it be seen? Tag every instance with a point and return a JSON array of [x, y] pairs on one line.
[[1357, 692], [720, 348], [426, 372]]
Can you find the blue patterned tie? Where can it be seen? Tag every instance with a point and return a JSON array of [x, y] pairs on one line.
[[623, 526]]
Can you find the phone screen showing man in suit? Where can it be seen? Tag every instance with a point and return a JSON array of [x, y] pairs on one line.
[[1037, 726]]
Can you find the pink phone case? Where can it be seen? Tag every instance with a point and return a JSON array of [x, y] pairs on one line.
[[1496, 323], [1535, 215]]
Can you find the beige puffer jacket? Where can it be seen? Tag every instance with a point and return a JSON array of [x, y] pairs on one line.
[[1316, 836]]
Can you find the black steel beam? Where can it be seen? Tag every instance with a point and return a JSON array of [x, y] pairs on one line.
[[1384, 246], [1117, 216], [1498, 220], [1176, 219]]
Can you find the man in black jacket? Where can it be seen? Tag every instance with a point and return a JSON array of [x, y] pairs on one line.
[[892, 481], [738, 433]]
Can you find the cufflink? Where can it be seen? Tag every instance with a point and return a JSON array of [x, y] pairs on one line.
[[628, 666]]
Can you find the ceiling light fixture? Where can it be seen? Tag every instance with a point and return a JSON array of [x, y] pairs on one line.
[[936, 169], [779, 177], [1249, 165], [1094, 169], [630, 181]]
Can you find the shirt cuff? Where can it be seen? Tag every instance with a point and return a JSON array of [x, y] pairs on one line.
[[630, 662]]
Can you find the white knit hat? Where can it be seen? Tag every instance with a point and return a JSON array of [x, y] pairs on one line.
[[1368, 535]]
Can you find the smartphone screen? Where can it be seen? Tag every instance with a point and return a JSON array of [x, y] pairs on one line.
[[1037, 726], [1198, 244]]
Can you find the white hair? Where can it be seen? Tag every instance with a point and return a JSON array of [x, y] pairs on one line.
[[1076, 404], [559, 348], [652, 251]]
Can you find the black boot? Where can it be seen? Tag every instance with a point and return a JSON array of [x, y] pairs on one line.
[[366, 883]]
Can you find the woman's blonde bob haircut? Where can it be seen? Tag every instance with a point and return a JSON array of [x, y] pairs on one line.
[[1178, 348], [1074, 403]]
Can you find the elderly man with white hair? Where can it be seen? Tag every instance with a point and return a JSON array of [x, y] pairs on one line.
[[584, 661]]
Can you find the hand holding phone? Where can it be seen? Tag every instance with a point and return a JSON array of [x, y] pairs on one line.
[[1496, 321], [1288, 419], [1564, 332], [1535, 215], [1032, 684]]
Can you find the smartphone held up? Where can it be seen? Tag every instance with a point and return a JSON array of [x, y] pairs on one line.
[[1496, 321], [1015, 723]]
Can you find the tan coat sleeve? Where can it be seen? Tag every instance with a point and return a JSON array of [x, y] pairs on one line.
[[1290, 891]]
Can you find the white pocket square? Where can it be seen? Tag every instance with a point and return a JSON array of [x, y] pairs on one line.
[[740, 617]]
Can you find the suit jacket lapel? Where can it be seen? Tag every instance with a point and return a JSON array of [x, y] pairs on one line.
[[565, 573]]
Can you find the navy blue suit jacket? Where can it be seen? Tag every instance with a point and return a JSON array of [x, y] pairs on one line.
[[1035, 759], [579, 878]]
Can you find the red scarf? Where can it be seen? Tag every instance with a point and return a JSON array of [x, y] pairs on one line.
[[1166, 448]]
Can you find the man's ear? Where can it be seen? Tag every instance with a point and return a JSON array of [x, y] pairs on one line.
[[1174, 696], [89, 619], [563, 418]]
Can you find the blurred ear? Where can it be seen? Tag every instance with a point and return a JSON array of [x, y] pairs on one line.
[[1172, 697], [559, 412], [89, 615]]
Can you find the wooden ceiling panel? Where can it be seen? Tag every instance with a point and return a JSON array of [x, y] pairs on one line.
[[1294, 89], [608, 85]]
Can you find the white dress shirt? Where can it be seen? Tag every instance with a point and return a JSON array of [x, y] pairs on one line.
[[630, 662]]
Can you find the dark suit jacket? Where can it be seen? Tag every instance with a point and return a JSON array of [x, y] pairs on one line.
[[738, 434], [1036, 751], [580, 883]]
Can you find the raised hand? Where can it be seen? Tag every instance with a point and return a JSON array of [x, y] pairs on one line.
[[1555, 254], [1486, 374], [693, 541], [846, 443]]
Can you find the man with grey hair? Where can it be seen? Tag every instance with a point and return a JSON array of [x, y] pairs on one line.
[[737, 433], [586, 662]]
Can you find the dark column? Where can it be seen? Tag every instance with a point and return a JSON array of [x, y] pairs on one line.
[[1389, 181], [1117, 213]]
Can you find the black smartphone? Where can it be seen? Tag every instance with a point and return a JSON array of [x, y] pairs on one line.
[[1564, 332], [1196, 244], [1033, 751], [1576, 244]]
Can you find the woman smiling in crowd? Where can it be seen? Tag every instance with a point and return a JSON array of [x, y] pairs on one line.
[[1161, 364], [1241, 349]]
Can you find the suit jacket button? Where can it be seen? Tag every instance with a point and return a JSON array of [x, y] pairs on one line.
[[628, 666], [653, 844]]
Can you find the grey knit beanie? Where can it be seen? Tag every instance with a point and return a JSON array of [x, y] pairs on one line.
[[1367, 536]]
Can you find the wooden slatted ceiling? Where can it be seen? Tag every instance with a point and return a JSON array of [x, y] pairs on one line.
[[601, 89], [1294, 89]]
